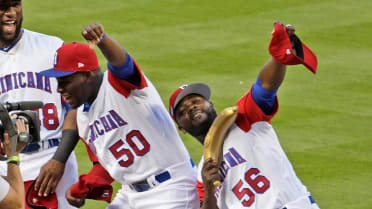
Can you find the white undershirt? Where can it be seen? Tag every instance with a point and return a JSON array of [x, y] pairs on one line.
[[4, 188]]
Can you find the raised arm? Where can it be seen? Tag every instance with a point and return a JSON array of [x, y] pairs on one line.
[[272, 73], [94, 33], [269, 80]]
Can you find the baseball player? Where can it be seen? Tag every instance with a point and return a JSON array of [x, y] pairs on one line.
[[23, 54], [126, 125], [254, 170]]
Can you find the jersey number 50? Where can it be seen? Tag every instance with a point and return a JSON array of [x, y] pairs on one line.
[[137, 143], [257, 182]]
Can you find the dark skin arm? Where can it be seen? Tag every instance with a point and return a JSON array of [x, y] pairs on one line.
[[272, 73], [52, 172], [111, 49], [209, 174]]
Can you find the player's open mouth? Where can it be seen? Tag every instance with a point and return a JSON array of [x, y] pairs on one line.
[[9, 27]]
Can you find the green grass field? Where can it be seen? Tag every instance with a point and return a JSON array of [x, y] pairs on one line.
[[323, 119]]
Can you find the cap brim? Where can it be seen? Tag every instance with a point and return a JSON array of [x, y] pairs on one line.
[[310, 60], [196, 88], [56, 73], [33, 200]]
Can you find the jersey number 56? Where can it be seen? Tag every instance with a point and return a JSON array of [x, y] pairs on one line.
[[256, 182]]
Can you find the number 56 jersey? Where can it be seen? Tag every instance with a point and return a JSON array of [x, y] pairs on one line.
[[254, 171]]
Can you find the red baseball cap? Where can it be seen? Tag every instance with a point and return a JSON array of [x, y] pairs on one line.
[[281, 49], [70, 58], [184, 90], [93, 187], [34, 201]]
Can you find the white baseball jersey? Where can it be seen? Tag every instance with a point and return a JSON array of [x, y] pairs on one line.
[[20, 80], [131, 133], [255, 172]]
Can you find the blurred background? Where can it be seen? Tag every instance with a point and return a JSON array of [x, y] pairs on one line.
[[323, 121]]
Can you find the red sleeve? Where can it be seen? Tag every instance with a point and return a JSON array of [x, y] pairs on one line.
[[100, 171], [250, 112], [123, 86], [92, 156]]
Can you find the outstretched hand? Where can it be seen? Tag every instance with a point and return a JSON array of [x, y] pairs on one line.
[[49, 177], [289, 28], [93, 33]]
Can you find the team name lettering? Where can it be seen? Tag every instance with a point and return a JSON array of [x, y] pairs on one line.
[[104, 124], [230, 159], [24, 80]]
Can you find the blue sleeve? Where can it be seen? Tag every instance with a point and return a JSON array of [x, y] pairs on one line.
[[126, 72], [264, 98], [67, 107]]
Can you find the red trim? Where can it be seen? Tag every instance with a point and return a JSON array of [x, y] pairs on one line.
[[100, 171], [124, 87], [250, 112], [92, 156]]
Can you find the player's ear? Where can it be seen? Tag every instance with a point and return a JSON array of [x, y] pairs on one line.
[[211, 103], [88, 75]]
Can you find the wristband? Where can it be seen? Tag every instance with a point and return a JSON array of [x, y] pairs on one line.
[[70, 137], [103, 37], [14, 159]]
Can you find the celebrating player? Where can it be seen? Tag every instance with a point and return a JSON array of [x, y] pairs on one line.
[[23, 54], [254, 170], [126, 125]]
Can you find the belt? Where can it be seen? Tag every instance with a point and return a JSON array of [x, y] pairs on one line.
[[150, 182], [39, 146], [311, 199]]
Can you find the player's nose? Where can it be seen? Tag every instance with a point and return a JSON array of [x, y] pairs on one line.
[[191, 108], [10, 11]]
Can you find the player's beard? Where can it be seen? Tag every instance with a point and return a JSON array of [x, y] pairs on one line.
[[9, 41], [200, 130]]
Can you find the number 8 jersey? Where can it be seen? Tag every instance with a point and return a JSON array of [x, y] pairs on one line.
[[20, 80]]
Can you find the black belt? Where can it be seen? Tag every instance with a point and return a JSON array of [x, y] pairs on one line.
[[144, 185]]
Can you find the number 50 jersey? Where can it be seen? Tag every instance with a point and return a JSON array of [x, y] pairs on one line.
[[130, 131]]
